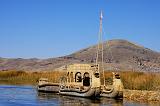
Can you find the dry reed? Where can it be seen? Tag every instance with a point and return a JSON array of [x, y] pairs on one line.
[[131, 80]]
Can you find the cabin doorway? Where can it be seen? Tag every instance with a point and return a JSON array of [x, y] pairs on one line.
[[86, 79], [78, 77]]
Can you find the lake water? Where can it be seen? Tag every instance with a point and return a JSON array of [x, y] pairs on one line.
[[11, 95]]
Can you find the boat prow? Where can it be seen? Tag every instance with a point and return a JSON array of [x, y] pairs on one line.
[[45, 86], [115, 90]]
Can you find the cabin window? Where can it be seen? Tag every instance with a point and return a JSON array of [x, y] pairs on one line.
[[96, 75], [117, 76], [78, 77], [86, 79]]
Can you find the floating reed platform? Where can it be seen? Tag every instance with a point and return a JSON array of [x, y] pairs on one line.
[[142, 95]]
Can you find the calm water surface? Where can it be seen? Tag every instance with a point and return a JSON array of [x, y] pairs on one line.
[[11, 95]]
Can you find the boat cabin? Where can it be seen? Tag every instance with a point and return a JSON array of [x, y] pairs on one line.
[[82, 75]]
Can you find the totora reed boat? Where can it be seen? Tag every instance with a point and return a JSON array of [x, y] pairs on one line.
[[115, 90], [82, 80]]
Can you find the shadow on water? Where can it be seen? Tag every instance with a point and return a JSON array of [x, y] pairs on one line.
[[78, 101]]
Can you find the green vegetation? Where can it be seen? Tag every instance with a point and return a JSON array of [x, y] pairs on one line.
[[131, 80]]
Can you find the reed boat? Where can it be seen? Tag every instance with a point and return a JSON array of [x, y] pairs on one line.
[[115, 90], [82, 80], [45, 86]]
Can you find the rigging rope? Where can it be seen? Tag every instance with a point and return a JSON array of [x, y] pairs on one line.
[[100, 43]]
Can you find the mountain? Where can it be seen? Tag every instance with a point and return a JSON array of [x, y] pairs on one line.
[[118, 55]]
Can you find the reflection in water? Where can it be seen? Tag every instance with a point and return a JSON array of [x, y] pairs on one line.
[[77, 101], [114, 102], [15, 95]]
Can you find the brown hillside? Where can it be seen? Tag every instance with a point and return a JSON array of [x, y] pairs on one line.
[[123, 55], [118, 55]]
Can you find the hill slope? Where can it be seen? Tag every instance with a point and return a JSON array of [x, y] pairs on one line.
[[118, 55]]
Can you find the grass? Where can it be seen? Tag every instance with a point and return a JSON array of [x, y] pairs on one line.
[[22, 77], [131, 80], [141, 80]]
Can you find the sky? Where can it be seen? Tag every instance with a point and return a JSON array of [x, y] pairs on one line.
[[53, 28]]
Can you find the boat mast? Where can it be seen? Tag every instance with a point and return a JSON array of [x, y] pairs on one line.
[[100, 46]]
